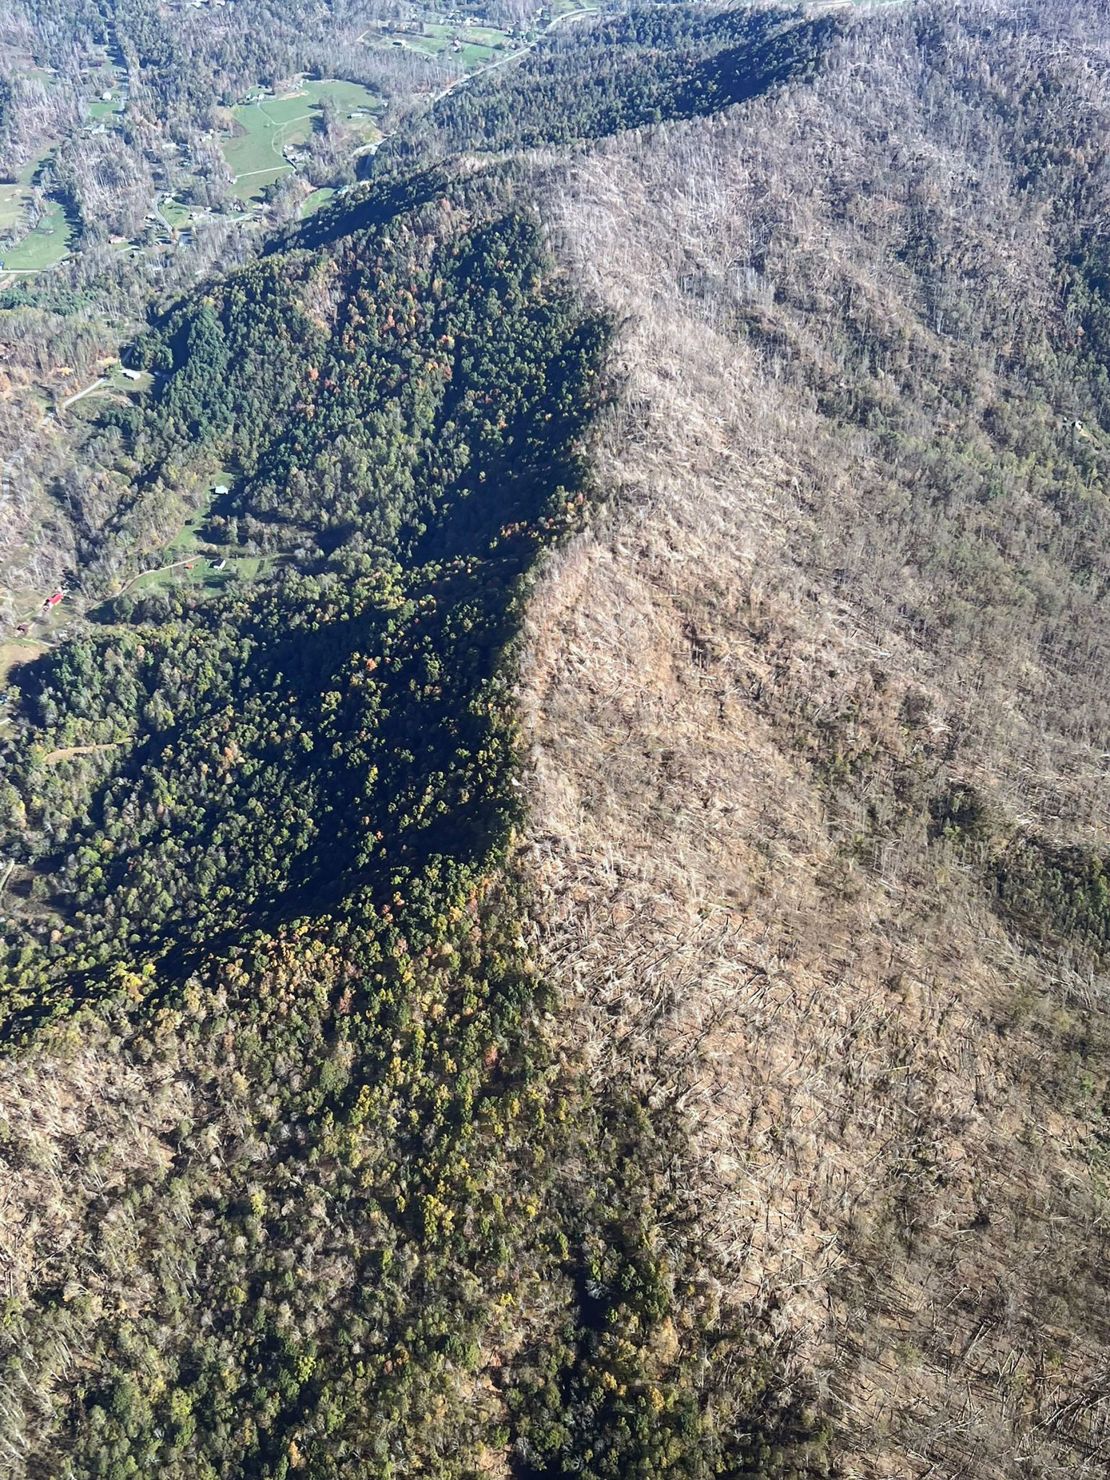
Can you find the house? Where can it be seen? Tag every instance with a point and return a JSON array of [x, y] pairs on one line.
[[53, 600], [130, 374], [220, 489]]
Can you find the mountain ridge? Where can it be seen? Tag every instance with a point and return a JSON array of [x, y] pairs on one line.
[[599, 940]]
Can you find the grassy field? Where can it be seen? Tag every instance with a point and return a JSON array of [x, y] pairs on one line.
[[317, 199], [15, 197], [348, 97], [165, 580], [204, 574], [475, 55], [123, 382], [176, 214], [184, 544], [187, 542], [478, 45], [102, 108], [20, 650], [41, 248], [268, 126]]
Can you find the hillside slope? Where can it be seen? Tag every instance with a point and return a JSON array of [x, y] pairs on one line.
[[577, 945], [303, 1171], [819, 725]]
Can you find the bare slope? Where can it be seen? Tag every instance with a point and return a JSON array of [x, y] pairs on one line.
[[856, 551]]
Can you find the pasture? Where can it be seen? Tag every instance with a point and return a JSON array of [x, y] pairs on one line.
[[41, 248], [101, 108], [469, 46], [266, 127]]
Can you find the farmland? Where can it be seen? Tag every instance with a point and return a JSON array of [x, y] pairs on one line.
[[266, 127], [102, 108], [191, 559], [175, 213], [46, 245], [202, 572], [470, 46], [561, 8], [51, 238], [18, 200]]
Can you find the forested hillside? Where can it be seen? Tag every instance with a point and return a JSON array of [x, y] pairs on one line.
[[320, 1185], [554, 883], [650, 64]]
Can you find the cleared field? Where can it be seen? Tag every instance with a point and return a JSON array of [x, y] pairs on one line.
[[475, 55], [121, 382], [188, 544], [184, 544], [18, 195], [68, 752], [269, 126], [106, 107], [560, 8], [43, 247], [249, 188], [176, 214], [472, 46], [204, 574], [434, 37], [349, 96], [252, 567], [317, 199], [14, 653], [175, 574]]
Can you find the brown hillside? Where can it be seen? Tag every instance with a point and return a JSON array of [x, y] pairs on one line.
[[855, 550]]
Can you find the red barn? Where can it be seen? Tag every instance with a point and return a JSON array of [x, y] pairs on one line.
[[53, 600]]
